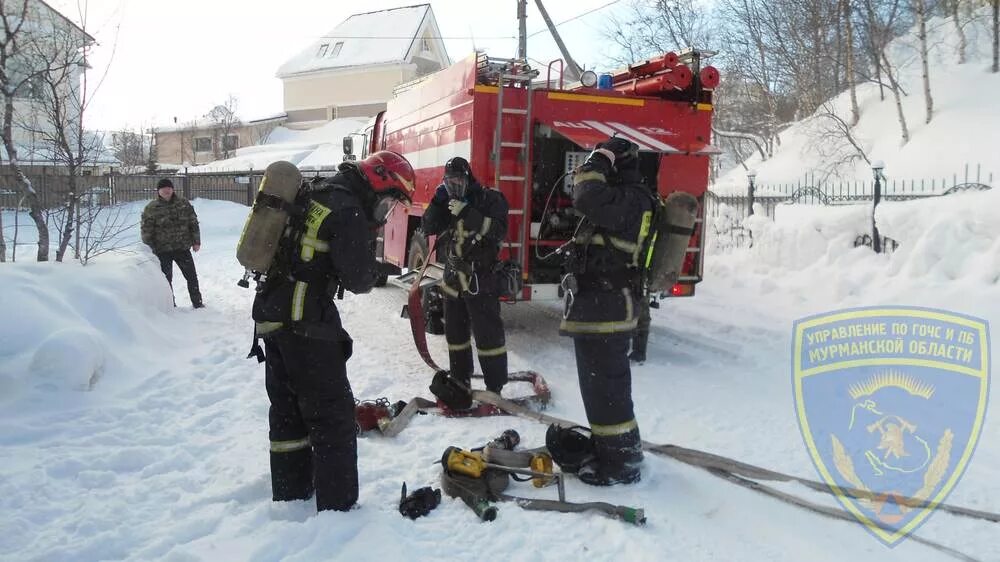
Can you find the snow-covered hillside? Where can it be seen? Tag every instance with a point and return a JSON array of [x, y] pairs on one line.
[[965, 129]]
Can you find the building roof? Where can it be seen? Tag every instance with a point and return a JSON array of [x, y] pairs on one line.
[[382, 37], [321, 148], [88, 38]]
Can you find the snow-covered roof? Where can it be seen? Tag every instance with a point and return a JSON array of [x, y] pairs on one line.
[[313, 149], [372, 38]]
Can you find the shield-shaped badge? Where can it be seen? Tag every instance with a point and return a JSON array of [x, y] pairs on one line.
[[891, 403]]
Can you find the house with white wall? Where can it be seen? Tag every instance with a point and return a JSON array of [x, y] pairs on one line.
[[352, 70]]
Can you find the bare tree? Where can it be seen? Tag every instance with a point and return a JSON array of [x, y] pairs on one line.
[[651, 27], [261, 132], [996, 36], [17, 77], [952, 9], [132, 149], [103, 229], [921, 12], [57, 116], [882, 21], [847, 12], [834, 140], [224, 122], [187, 135]]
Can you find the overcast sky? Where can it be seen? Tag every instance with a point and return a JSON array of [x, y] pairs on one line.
[[179, 58]]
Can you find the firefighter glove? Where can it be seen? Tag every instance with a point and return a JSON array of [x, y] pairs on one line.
[[456, 207]]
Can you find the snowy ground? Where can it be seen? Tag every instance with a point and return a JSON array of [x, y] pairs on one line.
[[163, 453]]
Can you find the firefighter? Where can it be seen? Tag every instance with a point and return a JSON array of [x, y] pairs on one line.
[[602, 290], [472, 221], [311, 419]]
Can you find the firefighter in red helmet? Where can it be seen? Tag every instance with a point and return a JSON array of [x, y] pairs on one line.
[[329, 249], [472, 221]]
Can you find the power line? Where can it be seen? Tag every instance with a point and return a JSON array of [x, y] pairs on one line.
[[473, 37], [411, 37], [576, 17]]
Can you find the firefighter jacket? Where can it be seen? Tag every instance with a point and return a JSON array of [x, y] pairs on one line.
[[470, 241], [603, 286], [170, 225], [333, 249]]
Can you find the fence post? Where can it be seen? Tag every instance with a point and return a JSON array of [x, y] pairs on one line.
[[877, 167], [186, 183], [250, 190], [751, 174]]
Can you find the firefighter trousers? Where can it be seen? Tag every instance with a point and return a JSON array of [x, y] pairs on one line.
[[602, 367], [186, 264], [312, 426], [477, 315]]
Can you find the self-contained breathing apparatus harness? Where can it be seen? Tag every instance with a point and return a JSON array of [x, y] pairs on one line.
[[285, 268], [617, 273]]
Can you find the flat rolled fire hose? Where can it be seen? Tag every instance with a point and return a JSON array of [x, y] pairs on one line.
[[741, 474]]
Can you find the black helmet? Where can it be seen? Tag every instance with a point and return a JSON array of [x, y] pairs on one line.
[[570, 447], [458, 176], [457, 166]]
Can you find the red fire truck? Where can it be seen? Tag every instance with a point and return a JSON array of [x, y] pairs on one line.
[[524, 136]]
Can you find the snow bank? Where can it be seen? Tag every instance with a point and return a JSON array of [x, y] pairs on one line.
[[74, 325], [949, 241]]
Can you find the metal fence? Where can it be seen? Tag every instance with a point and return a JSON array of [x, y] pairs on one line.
[[725, 213], [113, 189]]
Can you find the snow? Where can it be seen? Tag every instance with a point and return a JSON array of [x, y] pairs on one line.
[[133, 430], [318, 148], [130, 429], [368, 39], [152, 443], [964, 131]]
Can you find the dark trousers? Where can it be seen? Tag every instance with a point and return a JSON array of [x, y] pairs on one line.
[[641, 336], [605, 378], [477, 315], [312, 425], [602, 367], [186, 264]]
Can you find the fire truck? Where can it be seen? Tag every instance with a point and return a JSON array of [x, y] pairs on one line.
[[524, 135]]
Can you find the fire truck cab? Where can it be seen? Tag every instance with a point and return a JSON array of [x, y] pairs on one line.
[[524, 136]]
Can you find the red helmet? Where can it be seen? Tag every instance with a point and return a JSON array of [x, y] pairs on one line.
[[388, 173]]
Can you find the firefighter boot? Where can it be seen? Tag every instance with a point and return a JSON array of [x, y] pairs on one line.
[[638, 354], [291, 475], [617, 460]]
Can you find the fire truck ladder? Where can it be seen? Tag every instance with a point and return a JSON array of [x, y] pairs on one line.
[[514, 73]]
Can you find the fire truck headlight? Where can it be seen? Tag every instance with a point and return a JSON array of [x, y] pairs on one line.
[[588, 79]]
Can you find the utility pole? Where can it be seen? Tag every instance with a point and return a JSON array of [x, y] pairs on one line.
[[522, 33], [573, 70]]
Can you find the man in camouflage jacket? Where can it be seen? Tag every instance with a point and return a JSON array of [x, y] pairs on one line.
[[170, 229]]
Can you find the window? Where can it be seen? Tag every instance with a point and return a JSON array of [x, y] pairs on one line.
[[425, 44], [322, 50], [230, 142], [336, 49], [32, 89], [203, 144]]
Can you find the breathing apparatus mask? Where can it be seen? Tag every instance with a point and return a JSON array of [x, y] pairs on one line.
[[457, 185], [384, 206]]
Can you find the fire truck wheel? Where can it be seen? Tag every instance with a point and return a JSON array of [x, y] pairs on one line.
[[418, 251]]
